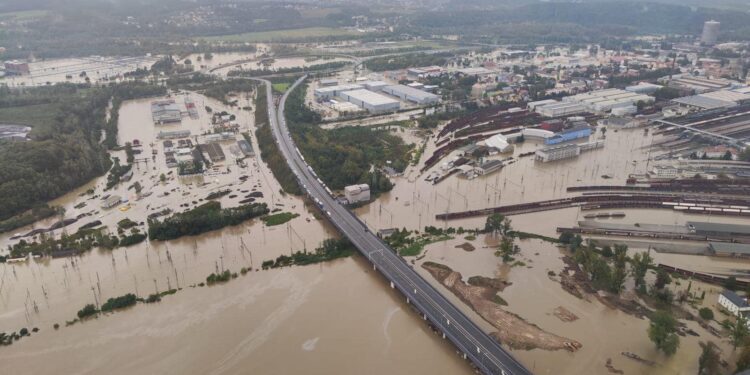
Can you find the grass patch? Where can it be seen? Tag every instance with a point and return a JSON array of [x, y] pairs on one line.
[[283, 35], [279, 218], [42, 115], [417, 246], [470, 237], [281, 87]]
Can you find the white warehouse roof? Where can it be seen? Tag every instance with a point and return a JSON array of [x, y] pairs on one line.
[[370, 97], [410, 91]]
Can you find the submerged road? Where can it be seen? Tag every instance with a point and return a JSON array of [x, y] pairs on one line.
[[483, 351]]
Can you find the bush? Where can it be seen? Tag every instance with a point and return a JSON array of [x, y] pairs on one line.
[[87, 311], [706, 313], [119, 302]]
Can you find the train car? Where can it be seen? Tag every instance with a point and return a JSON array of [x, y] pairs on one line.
[[680, 208], [713, 209], [696, 208], [731, 210], [687, 204], [669, 203], [740, 207]]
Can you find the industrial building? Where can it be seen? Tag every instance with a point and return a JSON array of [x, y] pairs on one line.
[[557, 153], [357, 193], [718, 229], [566, 151], [605, 100], [16, 67], [246, 148], [328, 82], [111, 201], [214, 151], [499, 142], [173, 134], [375, 85], [576, 132], [713, 100], [710, 32], [729, 249], [218, 137], [165, 111], [371, 101], [557, 109], [411, 94], [698, 84], [327, 93]]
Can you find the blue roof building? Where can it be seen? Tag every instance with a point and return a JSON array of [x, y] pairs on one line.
[[582, 131]]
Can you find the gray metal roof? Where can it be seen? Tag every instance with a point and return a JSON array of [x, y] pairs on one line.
[[703, 102], [734, 298], [701, 226], [729, 248], [410, 91]]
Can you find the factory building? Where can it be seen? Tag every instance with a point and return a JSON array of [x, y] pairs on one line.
[[375, 85], [499, 142], [558, 109], [327, 82], [713, 100], [411, 94], [327, 93], [698, 84], [357, 193], [173, 134], [577, 132], [246, 148], [531, 106], [165, 111], [710, 32], [557, 153], [566, 151], [16, 67], [111, 201], [605, 100], [373, 102]]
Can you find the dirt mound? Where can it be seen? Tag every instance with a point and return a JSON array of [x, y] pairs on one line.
[[466, 246], [512, 330], [564, 314]]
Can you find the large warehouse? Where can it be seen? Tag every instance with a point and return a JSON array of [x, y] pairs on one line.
[[606, 100], [165, 111], [371, 101], [326, 93], [411, 94]]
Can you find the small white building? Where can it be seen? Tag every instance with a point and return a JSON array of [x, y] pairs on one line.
[[666, 171], [733, 303], [357, 193]]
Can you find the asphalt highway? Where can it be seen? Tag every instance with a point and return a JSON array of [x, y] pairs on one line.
[[476, 345]]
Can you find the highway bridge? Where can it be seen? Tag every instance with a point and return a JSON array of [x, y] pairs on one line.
[[476, 345]]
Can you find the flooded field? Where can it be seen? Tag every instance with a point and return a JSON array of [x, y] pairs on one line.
[[603, 332], [336, 317], [322, 319]]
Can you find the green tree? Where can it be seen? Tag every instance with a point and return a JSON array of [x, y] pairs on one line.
[[162, 178], [640, 264], [706, 313], [738, 332], [662, 279], [494, 223], [661, 332], [709, 362]]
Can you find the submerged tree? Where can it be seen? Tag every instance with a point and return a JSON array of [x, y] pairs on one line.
[[661, 332]]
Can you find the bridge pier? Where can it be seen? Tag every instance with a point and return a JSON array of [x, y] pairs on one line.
[[392, 286]]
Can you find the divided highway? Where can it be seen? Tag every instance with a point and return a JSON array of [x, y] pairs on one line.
[[486, 353]]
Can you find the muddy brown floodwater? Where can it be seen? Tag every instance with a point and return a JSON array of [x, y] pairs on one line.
[[322, 319], [328, 318]]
